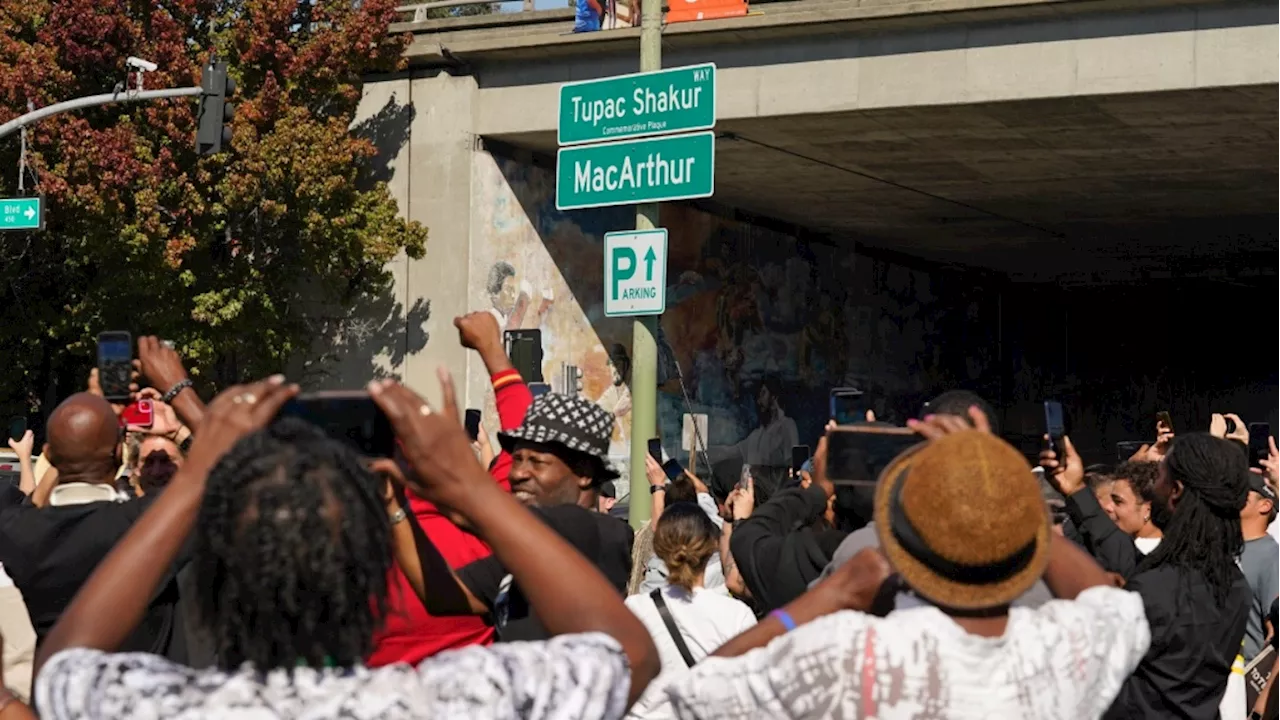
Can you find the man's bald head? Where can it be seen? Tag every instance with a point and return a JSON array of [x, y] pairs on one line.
[[83, 437]]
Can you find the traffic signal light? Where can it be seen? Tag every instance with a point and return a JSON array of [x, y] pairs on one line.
[[213, 134]]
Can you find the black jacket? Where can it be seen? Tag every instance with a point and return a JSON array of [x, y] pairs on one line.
[[1194, 640], [778, 550]]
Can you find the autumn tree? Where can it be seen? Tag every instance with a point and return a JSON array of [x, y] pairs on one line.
[[247, 260]]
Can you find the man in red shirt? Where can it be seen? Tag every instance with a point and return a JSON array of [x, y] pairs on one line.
[[411, 633]]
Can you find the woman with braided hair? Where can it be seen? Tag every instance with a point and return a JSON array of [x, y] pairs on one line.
[[294, 538], [1195, 597]]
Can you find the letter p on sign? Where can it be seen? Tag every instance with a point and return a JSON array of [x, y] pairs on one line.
[[624, 266]]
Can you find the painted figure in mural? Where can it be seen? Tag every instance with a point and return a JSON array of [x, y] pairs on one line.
[[509, 299], [617, 397], [769, 445]]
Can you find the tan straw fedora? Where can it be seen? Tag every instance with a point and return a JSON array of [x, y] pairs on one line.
[[962, 521]]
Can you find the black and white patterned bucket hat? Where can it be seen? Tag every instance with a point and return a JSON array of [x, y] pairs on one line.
[[577, 424]]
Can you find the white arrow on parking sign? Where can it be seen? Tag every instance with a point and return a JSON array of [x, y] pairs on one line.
[[30, 213]]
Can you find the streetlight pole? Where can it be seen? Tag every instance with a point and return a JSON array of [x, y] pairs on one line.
[[644, 344], [93, 101]]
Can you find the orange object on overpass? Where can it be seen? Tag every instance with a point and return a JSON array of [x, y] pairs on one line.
[[689, 10]]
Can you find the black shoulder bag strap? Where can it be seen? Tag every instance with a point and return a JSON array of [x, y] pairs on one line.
[[670, 622]]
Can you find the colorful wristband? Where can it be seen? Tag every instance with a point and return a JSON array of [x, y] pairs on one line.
[[784, 618]]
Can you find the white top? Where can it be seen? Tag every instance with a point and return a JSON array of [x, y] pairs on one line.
[[570, 676], [1065, 660], [706, 619], [1147, 544]]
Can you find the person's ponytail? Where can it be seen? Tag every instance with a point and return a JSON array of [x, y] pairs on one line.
[[685, 539]]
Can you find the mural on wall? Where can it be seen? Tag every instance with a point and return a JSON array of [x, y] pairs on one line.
[[759, 325]]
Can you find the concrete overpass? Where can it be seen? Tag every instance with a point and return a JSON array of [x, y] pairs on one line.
[[1072, 141]]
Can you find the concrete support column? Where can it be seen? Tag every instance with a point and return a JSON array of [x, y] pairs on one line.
[[441, 147]]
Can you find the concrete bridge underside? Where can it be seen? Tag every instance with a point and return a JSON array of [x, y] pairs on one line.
[[1095, 138]]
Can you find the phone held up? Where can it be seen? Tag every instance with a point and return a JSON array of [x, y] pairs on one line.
[[799, 456], [846, 406], [1055, 426], [17, 428], [115, 365], [348, 416], [673, 469], [655, 450], [1164, 423], [1259, 443], [139, 414], [858, 455], [473, 424]]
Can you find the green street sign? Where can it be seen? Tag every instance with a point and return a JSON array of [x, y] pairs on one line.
[[678, 167], [22, 213], [652, 103], [635, 273]]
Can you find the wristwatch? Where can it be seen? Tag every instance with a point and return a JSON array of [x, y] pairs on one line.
[[653, 489]]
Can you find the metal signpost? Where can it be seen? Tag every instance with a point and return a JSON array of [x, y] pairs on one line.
[[602, 163]]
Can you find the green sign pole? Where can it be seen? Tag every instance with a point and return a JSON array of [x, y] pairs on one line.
[[644, 345]]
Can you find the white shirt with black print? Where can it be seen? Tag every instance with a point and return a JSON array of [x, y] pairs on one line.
[[571, 676]]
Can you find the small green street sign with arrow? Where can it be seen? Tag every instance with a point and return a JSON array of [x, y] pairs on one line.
[[635, 273], [22, 213]]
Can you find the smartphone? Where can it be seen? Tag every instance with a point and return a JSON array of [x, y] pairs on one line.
[[139, 414], [115, 365], [744, 478], [538, 389], [655, 449], [1126, 448], [846, 406], [473, 424], [857, 455], [1163, 420], [673, 469], [17, 428], [1259, 445], [799, 456], [348, 416], [1055, 426], [524, 347]]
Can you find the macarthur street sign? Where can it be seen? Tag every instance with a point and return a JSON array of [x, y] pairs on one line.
[[677, 167]]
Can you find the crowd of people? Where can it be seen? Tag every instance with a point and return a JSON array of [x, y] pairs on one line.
[[227, 561]]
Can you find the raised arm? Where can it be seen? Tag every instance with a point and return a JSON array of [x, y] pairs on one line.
[[114, 598], [23, 447], [161, 365], [568, 593]]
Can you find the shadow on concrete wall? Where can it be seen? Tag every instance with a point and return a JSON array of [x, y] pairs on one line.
[[388, 130], [370, 336]]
